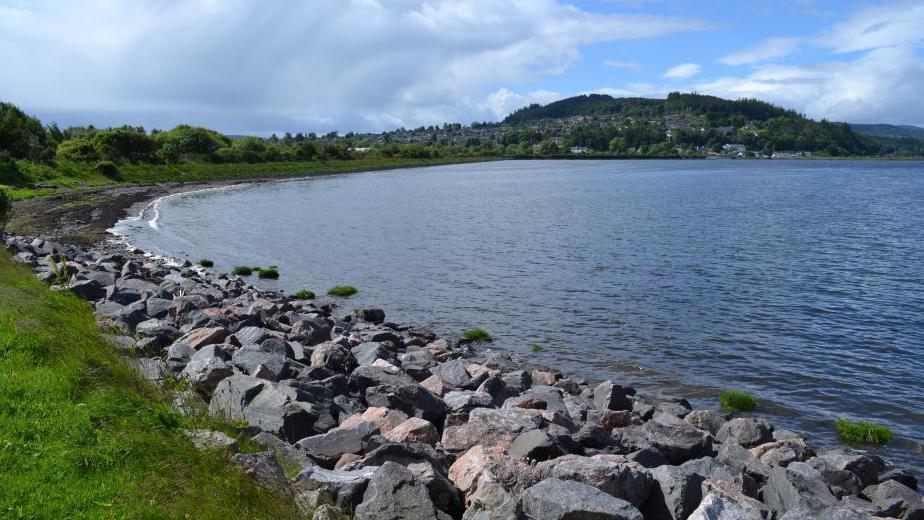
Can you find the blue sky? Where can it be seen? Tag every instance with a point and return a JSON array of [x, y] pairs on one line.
[[244, 66]]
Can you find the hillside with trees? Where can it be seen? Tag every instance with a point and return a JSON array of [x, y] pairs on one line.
[[880, 130], [682, 124]]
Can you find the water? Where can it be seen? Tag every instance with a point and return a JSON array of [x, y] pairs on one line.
[[801, 282]]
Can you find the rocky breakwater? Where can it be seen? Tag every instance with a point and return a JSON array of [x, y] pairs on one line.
[[390, 421]]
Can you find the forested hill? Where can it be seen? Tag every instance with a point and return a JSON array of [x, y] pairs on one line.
[[716, 110], [879, 130], [695, 123]]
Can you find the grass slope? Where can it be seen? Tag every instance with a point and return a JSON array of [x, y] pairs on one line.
[[82, 436], [75, 175]]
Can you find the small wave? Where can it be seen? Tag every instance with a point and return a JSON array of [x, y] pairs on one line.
[[153, 222]]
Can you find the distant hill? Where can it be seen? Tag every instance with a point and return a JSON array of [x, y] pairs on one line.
[[882, 130], [716, 110]]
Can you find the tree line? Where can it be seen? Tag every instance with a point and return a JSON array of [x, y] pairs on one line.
[[24, 137]]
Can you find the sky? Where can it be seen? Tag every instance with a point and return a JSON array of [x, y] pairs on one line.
[[259, 67]]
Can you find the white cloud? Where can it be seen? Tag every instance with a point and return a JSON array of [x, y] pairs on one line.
[[631, 90], [503, 101], [256, 66], [887, 25], [880, 86], [627, 65], [765, 50], [880, 83], [684, 70]]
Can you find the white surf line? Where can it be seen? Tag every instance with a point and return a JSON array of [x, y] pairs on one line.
[[122, 238]]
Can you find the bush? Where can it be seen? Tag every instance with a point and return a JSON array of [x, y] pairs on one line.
[[22, 136], [243, 270], [189, 142], [109, 169], [6, 208], [343, 291], [77, 150], [737, 401], [271, 274], [304, 294], [478, 334], [124, 144], [249, 149], [205, 262], [863, 432]]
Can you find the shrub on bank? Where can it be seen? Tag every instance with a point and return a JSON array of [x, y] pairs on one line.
[[737, 401], [108, 169], [243, 270], [304, 294], [478, 334], [863, 432], [269, 274], [76, 150], [6, 208], [343, 291], [205, 262]]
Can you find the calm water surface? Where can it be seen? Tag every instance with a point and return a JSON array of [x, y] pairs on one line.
[[801, 282]]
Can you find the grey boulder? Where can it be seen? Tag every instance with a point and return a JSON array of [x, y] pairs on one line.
[[265, 469], [536, 445], [675, 495], [676, 440], [89, 290], [346, 487], [707, 420], [330, 446], [847, 473], [798, 486], [746, 432], [205, 368], [394, 493], [610, 396], [555, 499], [467, 400], [157, 328], [264, 405], [896, 500], [612, 474]]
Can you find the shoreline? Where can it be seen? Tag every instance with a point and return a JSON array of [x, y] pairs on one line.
[[357, 403], [83, 217]]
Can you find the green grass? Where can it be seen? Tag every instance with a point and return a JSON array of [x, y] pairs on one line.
[[269, 274], [82, 436], [243, 270], [343, 291], [736, 401], [65, 175], [478, 334], [205, 262], [536, 348], [304, 294], [863, 432]]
